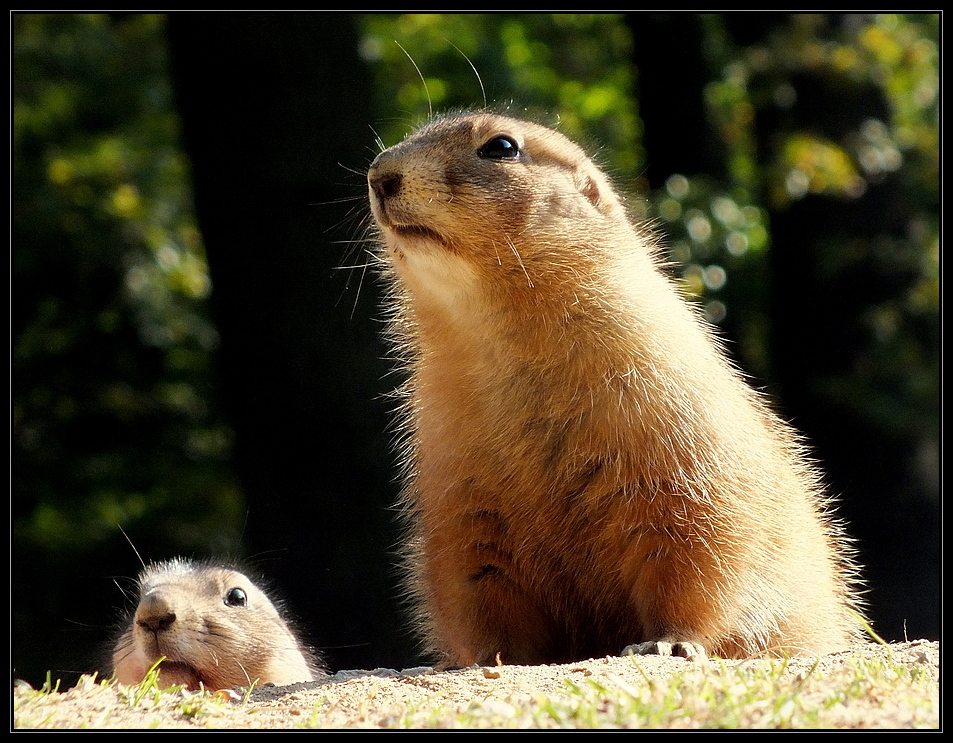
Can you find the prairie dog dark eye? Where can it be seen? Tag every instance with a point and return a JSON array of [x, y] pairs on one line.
[[502, 147], [236, 597]]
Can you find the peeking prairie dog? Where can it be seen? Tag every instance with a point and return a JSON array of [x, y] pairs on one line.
[[214, 627], [585, 471]]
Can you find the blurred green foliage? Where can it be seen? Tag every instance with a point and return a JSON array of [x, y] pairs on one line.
[[888, 57], [115, 421], [113, 346]]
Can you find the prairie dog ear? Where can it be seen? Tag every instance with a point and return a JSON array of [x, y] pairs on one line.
[[595, 187], [589, 187]]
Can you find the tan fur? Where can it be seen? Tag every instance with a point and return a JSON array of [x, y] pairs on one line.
[[584, 469], [188, 613]]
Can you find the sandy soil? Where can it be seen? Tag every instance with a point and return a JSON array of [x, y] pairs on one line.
[[506, 696]]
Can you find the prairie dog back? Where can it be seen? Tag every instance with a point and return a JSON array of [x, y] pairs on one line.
[[584, 470], [215, 628]]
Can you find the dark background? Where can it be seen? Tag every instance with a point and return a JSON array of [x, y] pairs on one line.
[[252, 422]]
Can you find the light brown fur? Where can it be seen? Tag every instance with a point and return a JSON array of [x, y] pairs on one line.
[[214, 627], [584, 469]]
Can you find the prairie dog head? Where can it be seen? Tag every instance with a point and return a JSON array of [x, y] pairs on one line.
[[213, 625], [481, 202]]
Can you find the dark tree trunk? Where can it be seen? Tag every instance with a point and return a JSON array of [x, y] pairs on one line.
[[276, 118]]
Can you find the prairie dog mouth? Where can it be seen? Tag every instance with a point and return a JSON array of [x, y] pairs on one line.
[[415, 231], [175, 673]]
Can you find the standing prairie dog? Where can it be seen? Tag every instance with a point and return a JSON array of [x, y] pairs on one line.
[[215, 628], [585, 471]]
